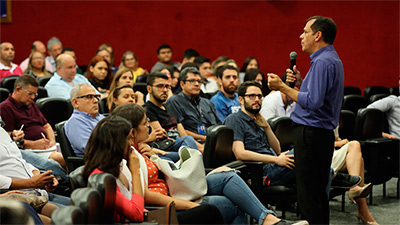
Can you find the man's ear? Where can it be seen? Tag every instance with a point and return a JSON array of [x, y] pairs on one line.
[[318, 36], [220, 81], [241, 100], [74, 102], [181, 83], [148, 87]]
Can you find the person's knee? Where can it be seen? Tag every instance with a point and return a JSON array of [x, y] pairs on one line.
[[355, 146]]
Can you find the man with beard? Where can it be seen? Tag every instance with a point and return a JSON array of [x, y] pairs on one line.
[[162, 121], [194, 112], [226, 101], [254, 140]]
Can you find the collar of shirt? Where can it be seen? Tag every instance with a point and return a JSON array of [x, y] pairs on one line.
[[18, 104], [195, 101], [12, 68], [319, 52], [245, 116], [85, 114]]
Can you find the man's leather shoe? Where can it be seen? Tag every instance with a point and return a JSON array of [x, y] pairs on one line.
[[345, 181]]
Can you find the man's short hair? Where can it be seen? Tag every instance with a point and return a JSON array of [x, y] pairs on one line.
[[184, 73], [189, 64], [102, 49], [76, 90], [25, 80], [189, 53], [200, 60], [151, 78], [327, 27], [243, 87], [162, 46], [67, 49], [52, 41], [220, 70]]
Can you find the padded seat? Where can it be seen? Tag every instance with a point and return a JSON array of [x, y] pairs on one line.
[[351, 90], [89, 201], [68, 215], [8, 82], [354, 102], [4, 93], [372, 90], [55, 110]]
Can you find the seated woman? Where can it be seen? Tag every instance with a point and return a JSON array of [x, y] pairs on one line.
[[130, 61], [124, 76], [113, 136], [349, 158], [226, 189], [257, 76], [249, 63], [37, 65], [99, 74], [123, 95]]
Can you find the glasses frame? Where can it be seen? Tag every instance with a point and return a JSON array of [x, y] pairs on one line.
[[253, 96], [30, 93], [90, 96], [162, 86], [193, 81]]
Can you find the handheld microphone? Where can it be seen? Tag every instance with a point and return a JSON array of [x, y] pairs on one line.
[[293, 57]]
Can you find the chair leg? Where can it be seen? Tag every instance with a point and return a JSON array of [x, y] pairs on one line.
[[343, 201], [398, 187], [384, 189], [283, 214], [370, 195]]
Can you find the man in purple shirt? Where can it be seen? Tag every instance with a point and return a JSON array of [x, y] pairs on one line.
[[316, 115]]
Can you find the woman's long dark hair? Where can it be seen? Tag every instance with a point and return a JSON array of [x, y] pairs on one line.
[[106, 146], [134, 113]]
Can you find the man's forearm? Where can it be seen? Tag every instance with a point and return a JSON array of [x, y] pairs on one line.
[[200, 137]]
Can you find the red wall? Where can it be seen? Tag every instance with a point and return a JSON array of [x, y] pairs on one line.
[[367, 39]]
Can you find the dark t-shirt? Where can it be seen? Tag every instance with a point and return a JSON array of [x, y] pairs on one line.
[[14, 114], [164, 117]]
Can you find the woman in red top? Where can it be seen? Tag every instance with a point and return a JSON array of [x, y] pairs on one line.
[[107, 146]]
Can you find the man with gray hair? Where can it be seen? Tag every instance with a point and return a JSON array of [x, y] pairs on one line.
[[194, 112], [54, 47], [84, 118], [61, 84]]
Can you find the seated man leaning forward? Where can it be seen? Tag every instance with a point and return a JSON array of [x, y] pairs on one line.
[[29, 128], [194, 112], [254, 140], [84, 118]]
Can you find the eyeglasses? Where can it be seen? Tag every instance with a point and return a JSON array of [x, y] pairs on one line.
[[192, 81], [90, 96], [30, 93], [129, 59], [162, 86], [253, 96]]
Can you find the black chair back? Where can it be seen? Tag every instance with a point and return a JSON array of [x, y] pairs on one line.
[[377, 97], [8, 82], [42, 93], [142, 87], [351, 90], [372, 90], [105, 183], [346, 124], [369, 124], [141, 79], [77, 179], [89, 201], [354, 103], [68, 215], [4, 93], [54, 109], [394, 90], [218, 146], [71, 159], [283, 128], [43, 80], [103, 108]]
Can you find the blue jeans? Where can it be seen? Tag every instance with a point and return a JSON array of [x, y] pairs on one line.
[[172, 154], [232, 196], [44, 164], [59, 200]]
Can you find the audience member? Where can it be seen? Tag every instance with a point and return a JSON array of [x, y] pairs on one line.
[[84, 118], [391, 107], [174, 79], [164, 54], [19, 212], [209, 85], [37, 46], [22, 117], [188, 56], [124, 76], [226, 101], [220, 61], [249, 63], [111, 51], [65, 78], [316, 115], [54, 48], [7, 68], [194, 112], [122, 95], [129, 60], [233, 63], [226, 189], [17, 174], [164, 125], [70, 51], [37, 65], [257, 76], [99, 74]]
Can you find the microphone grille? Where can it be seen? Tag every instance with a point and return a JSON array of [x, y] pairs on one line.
[[293, 55]]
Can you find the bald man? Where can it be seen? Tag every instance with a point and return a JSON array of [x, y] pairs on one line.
[[61, 84], [7, 68], [37, 46]]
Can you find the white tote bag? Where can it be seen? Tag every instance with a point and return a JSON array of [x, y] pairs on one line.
[[186, 179]]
